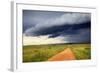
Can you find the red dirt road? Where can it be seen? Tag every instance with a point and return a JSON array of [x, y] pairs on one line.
[[67, 54]]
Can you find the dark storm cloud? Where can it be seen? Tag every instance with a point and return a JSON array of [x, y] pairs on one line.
[[83, 36], [74, 27], [55, 31]]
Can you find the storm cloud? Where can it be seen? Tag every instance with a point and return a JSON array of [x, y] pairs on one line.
[[71, 26]]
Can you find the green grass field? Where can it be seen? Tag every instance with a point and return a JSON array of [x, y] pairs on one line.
[[37, 53]]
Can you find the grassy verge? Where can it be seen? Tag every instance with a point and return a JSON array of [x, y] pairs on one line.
[[37, 53]]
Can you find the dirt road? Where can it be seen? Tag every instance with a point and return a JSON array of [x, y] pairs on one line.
[[67, 54]]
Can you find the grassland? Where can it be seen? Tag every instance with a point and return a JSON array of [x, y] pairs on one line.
[[37, 53]]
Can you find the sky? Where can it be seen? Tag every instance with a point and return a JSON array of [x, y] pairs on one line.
[[51, 27]]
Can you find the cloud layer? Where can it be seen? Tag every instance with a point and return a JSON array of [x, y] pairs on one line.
[[71, 26]]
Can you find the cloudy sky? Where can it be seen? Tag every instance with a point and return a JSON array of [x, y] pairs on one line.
[[50, 27]]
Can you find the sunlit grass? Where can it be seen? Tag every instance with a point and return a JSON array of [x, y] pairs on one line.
[[37, 53]]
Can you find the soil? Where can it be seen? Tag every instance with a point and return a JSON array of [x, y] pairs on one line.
[[67, 54]]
